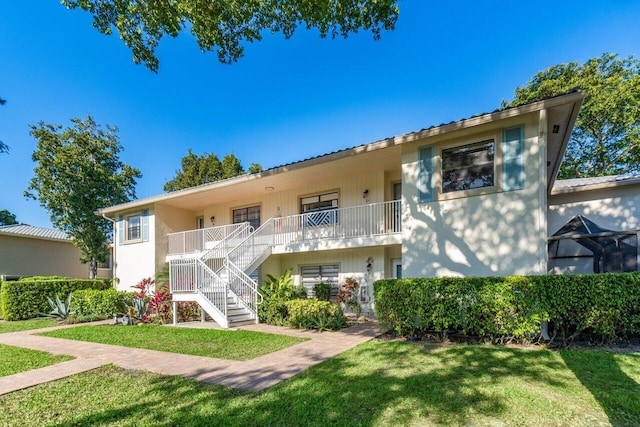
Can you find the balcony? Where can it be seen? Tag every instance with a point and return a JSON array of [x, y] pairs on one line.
[[365, 225]]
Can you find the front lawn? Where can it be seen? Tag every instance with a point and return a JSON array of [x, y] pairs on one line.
[[24, 325], [377, 383], [14, 359], [233, 345]]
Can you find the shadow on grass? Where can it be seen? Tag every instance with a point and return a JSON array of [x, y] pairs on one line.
[[600, 372], [388, 383]]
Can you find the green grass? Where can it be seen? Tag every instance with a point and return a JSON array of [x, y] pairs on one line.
[[24, 325], [14, 359], [377, 383], [233, 345]]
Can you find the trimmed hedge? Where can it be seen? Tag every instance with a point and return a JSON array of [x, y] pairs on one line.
[[604, 307], [26, 298], [94, 304]]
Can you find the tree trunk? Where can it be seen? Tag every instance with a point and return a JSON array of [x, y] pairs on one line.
[[93, 268]]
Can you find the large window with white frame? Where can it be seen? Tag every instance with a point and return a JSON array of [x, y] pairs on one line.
[[468, 166], [488, 164]]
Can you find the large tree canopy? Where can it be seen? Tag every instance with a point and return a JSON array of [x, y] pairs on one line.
[[198, 170], [7, 218], [78, 172], [606, 137], [223, 26]]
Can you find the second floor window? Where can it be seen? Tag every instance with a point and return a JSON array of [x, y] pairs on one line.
[[134, 227]]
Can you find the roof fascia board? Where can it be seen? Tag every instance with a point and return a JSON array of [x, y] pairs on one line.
[[594, 187]]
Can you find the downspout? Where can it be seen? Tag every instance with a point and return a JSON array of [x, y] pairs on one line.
[[113, 255]]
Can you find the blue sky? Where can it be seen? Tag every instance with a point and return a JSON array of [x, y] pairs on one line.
[[286, 100]]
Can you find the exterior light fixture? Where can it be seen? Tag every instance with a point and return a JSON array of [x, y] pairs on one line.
[[269, 188], [213, 220], [365, 194]]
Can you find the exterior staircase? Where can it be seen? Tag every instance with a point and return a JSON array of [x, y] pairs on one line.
[[217, 277]]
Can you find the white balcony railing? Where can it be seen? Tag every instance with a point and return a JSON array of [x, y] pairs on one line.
[[358, 221], [215, 243], [204, 239]]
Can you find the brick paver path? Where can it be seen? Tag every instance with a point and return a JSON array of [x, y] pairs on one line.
[[256, 374]]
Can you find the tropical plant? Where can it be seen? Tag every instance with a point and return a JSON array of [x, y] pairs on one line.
[[322, 291], [60, 309], [348, 294]]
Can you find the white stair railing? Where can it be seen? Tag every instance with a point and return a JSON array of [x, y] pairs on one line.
[[244, 288], [193, 275], [253, 247]]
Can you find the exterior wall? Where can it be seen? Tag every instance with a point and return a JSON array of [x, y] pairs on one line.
[[22, 256], [169, 220], [352, 262], [350, 194], [135, 261], [615, 208], [493, 233]]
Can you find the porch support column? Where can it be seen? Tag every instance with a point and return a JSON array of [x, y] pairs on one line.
[[175, 313]]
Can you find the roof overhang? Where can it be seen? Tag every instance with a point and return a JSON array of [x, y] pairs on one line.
[[561, 110]]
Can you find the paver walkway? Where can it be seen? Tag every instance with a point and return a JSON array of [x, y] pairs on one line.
[[256, 374]]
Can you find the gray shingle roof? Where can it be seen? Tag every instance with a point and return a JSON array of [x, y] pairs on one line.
[[575, 183], [25, 230]]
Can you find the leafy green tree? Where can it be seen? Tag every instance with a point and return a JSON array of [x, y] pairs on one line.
[[223, 26], [7, 218], [198, 170], [78, 172], [255, 168], [606, 137], [4, 148]]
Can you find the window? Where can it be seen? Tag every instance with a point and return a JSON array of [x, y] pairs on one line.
[[314, 274], [134, 227], [322, 209], [106, 263], [468, 166], [250, 215]]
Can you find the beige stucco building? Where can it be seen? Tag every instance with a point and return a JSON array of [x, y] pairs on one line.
[[26, 250], [466, 198]]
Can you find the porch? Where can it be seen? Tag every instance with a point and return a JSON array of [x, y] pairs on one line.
[[366, 225], [211, 266]]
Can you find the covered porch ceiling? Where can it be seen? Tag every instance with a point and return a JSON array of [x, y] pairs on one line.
[[269, 182]]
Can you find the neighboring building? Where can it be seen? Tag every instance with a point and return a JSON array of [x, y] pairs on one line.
[[464, 198], [26, 250], [610, 202]]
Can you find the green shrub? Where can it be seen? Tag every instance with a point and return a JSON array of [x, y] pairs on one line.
[[94, 304], [604, 306], [26, 298], [310, 313], [273, 311], [322, 291]]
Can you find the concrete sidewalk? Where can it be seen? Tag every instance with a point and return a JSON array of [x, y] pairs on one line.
[[256, 374]]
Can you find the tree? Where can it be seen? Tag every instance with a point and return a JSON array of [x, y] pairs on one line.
[[7, 218], [198, 170], [606, 137], [223, 26], [4, 148], [78, 172]]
